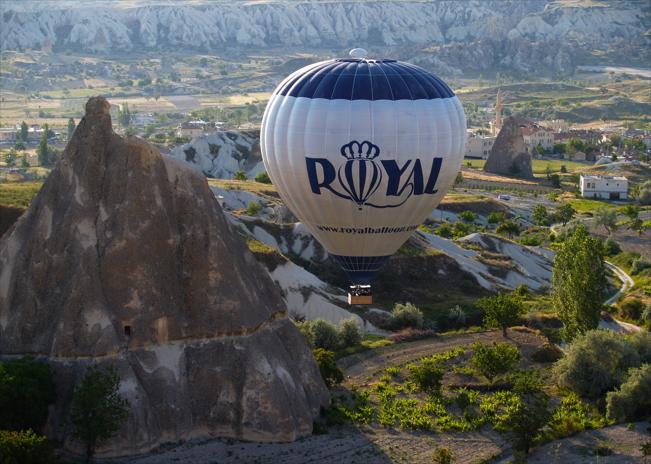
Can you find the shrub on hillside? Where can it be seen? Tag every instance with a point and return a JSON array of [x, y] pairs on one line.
[[263, 178], [239, 175], [444, 230], [467, 216], [406, 315], [641, 341], [639, 264], [331, 374], [253, 208], [25, 447], [611, 247], [632, 308], [632, 401], [324, 335], [349, 333], [595, 363], [494, 360], [548, 353], [427, 377], [495, 217], [26, 390]]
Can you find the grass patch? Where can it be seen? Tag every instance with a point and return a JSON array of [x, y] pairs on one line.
[[18, 194]]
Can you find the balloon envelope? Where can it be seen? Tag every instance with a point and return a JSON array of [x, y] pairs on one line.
[[362, 151]]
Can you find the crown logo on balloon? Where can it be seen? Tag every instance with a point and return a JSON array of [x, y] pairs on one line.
[[360, 150]]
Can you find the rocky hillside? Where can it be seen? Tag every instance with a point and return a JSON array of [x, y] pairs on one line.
[[125, 258], [480, 33], [223, 153]]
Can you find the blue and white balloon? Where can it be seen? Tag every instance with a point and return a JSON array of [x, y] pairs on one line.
[[362, 151]]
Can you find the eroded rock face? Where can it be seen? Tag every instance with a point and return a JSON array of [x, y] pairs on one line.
[[125, 258], [509, 156]]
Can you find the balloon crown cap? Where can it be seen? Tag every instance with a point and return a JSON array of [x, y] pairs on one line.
[[360, 150]]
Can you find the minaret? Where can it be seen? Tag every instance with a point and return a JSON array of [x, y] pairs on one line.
[[497, 125]]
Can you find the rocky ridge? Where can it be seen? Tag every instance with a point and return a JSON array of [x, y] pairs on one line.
[[494, 32]]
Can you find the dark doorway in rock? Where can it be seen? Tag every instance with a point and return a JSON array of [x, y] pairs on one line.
[[127, 330]]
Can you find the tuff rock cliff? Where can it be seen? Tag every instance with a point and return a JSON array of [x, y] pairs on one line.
[[532, 35], [125, 258], [509, 156]]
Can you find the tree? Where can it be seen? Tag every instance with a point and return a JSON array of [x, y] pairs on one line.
[[26, 390], [578, 282], [330, 373], [324, 335], [97, 410], [606, 217], [495, 217], [124, 115], [467, 216], [502, 310], [508, 227], [555, 179], [540, 215], [239, 175], [406, 315], [525, 419], [263, 178], [10, 158], [43, 158], [633, 399], [493, 361], [564, 213], [24, 131], [23, 162], [595, 363], [349, 333], [71, 127]]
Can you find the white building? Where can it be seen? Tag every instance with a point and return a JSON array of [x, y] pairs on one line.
[[479, 146], [604, 187], [536, 135]]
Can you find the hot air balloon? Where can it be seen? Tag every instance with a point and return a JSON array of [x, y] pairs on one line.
[[361, 151]]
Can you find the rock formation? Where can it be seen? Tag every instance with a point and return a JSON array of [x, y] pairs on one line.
[[125, 258], [509, 156], [220, 154]]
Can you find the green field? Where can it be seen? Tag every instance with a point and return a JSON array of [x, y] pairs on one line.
[[539, 166], [18, 194]]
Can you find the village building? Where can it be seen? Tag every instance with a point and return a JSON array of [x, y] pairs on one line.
[[535, 135], [604, 187], [7, 135], [191, 129], [478, 146]]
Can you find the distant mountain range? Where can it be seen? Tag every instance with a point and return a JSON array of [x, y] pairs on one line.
[[455, 35]]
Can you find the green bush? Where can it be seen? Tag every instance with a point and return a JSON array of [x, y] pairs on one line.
[[444, 230], [25, 447], [263, 178], [406, 315], [547, 353], [427, 377], [331, 374], [641, 342], [442, 456], [638, 265], [239, 175], [495, 360], [349, 333], [611, 247], [595, 363], [324, 335], [495, 217], [631, 308], [632, 401], [253, 208], [26, 390], [573, 416], [467, 216]]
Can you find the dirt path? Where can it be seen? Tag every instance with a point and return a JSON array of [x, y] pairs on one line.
[[360, 368], [580, 449]]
